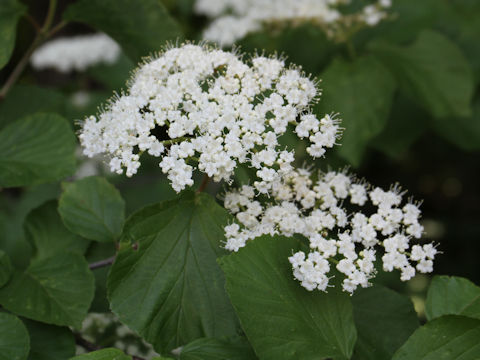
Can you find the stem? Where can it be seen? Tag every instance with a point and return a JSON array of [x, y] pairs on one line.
[[333, 260], [87, 345], [50, 16], [12, 79], [173, 141], [41, 36], [56, 28], [32, 21], [102, 263], [204, 184]]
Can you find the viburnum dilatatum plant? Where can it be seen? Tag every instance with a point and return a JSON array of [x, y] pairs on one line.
[[217, 179]]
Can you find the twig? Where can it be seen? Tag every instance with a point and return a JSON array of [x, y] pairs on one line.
[[102, 263], [20, 67], [41, 36], [52, 6], [34, 22], [204, 184], [87, 345], [56, 28]]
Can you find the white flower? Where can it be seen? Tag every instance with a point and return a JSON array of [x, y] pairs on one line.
[[425, 266], [407, 273], [411, 214], [76, 53], [297, 259], [358, 194]]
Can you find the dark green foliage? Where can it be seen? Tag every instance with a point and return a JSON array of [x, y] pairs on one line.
[[92, 208], [448, 337], [413, 76], [10, 13], [36, 149], [165, 283], [14, 339], [233, 348], [104, 354], [55, 290], [23, 100], [362, 91], [280, 318], [433, 72], [48, 342], [452, 296], [384, 321]]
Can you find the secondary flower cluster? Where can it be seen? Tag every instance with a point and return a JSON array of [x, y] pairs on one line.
[[215, 111], [234, 19], [76, 53], [345, 222]]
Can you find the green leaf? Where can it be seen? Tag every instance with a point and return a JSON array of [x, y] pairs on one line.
[[461, 131], [452, 296], [448, 337], [168, 286], [433, 72], [104, 354], [39, 148], [23, 100], [14, 340], [362, 91], [141, 27], [92, 208], [47, 234], [10, 13], [56, 290], [233, 348], [6, 268], [407, 123], [13, 241], [281, 319], [48, 342], [384, 321]]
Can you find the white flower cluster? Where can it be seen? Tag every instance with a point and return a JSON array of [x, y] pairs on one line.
[[216, 110], [326, 208], [76, 53], [234, 19]]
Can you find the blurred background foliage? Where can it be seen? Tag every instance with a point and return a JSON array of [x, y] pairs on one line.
[[407, 91]]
